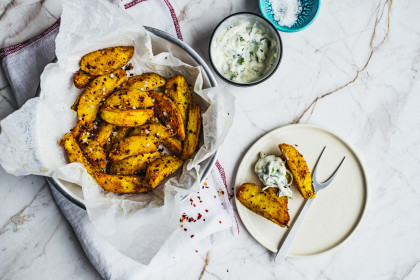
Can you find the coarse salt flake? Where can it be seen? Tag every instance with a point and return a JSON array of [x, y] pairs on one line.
[[285, 12]]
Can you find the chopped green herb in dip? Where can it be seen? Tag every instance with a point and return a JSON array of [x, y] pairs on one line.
[[272, 172], [243, 51]]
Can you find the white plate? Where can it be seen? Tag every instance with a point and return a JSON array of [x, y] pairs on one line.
[[336, 211]]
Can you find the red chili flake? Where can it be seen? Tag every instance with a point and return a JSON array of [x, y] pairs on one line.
[[190, 219], [199, 216], [194, 205], [199, 197], [197, 252], [214, 196], [227, 270], [185, 229], [192, 235], [204, 220], [220, 222], [207, 210]]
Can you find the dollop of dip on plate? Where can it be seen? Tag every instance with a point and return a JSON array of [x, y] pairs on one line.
[[272, 172], [243, 51]]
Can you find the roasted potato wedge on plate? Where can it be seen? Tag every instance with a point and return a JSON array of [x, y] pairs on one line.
[[297, 165], [105, 61], [121, 184], [264, 203]]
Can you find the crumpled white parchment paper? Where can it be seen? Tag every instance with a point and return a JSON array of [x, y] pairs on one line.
[[135, 224]]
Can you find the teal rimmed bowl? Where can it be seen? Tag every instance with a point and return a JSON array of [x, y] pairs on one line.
[[305, 18]]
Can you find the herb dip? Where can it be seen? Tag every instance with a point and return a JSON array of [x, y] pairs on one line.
[[272, 172], [243, 51]]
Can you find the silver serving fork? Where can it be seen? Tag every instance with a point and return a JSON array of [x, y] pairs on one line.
[[290, 236]]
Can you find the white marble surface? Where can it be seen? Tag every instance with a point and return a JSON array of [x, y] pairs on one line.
[[353, 71]]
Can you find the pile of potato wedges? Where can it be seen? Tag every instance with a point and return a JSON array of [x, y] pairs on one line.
[[123, 120]]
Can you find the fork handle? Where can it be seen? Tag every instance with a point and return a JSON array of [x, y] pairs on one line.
[[290, 236]]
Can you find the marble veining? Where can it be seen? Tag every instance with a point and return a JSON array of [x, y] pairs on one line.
[[353, 71]]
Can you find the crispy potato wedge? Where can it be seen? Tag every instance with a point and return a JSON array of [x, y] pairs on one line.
[[121, 184], [168, 112], [126, 117], [103, 133], [173, 144], [94, 94], [92, 144], [192, 131], [131, 146], [82, 79], [95, 153], [133, 165], [155, 131], [178, 90], [264, 203], [118, 134], [105, 61], [75, 154], [161, 168], [144, 82], [129, 99], [297, 165]]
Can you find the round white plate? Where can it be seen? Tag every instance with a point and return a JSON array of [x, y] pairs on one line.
[[336, 211]]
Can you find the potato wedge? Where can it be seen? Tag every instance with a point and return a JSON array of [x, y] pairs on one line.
[[92, 144], [264, 203], [297, 165], [121, 184], [129, 99], [178, 90], [144, 82], [154, 131], [95, 153], [131, 146], [105, 61], [192, 131], [82, 79], [127, 117], [118, 134], [92, 97], [103, 133], [173, 144], [168, 112], [161, 168], [133, 165], [75, 154]]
